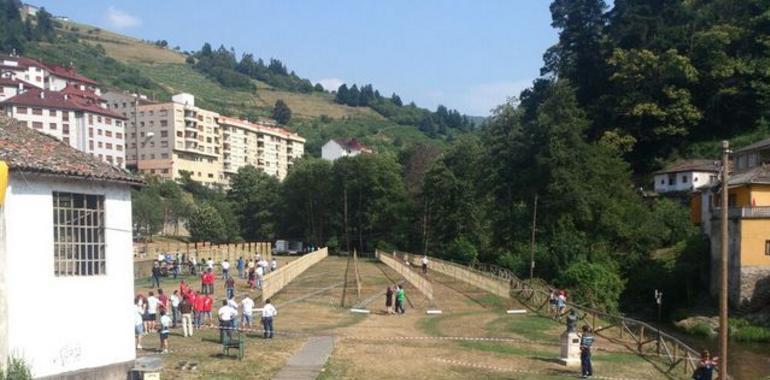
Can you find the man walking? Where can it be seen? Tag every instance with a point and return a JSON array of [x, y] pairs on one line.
[[152, 313], [240, 264], [586, 341], [185, 308], [268, 313], [229, 288], [424, 264], [400, 299], [155, 282]]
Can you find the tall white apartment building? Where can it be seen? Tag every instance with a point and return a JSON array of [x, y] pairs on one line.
[[263, 146], [24, 69], [84, 125]]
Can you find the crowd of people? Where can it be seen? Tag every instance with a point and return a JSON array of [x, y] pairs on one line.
[[193, 309]]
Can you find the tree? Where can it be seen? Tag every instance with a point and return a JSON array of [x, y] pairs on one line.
[[396, 100], [306, 201], [206, 224], [342, 94], [255, 198], [281, 112], [147, 211], [353, 96], [319, 88], [595, 284]]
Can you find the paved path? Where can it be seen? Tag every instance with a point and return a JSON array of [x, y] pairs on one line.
[[309, 361]]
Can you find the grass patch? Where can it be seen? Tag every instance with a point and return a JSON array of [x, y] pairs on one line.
[[701, 329], [744, 331], [530, 327], [504, 348], [334, 369], [618, 358], [431, 325]]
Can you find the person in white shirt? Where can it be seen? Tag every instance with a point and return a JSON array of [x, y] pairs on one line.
[[248, 309], [225, 269], [210, 263], [138, 326], [425, 264], [152, 312], [161, 257], [165, 325], [174, 308], [193, 265], [268, 313], [273, 264], [260, 276], [226, 317]]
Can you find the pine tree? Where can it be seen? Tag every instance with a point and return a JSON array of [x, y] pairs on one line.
[[281, 112]]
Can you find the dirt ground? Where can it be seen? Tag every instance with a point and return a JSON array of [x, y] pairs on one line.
[[473, 337]]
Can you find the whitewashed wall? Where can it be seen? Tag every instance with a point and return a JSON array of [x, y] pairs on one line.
[[62, 324], [695, 180]]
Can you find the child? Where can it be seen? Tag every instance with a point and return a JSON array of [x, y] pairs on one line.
[[586, 341], [165, 324]]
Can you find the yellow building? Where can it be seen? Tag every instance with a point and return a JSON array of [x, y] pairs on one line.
[[749, 230]]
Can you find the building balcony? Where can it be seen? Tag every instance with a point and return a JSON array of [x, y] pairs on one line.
[[756, 212]]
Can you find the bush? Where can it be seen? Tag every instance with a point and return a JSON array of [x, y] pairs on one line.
[[597, 284], [744, 331], [17, 370], [461, 251], [333, 244], [701, 329]]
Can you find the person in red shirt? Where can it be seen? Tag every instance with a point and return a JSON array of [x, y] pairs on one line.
[[163, 298], [207, 304], [197, 302], [183, 288]]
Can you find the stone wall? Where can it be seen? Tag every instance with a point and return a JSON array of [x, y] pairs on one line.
[[754, 286]]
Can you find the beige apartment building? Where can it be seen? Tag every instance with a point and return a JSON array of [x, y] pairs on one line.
[[165, 139], [261, 145]]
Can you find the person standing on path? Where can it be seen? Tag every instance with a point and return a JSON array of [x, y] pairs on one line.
[[229, 288], [268, 313], [138, 326], [152, 313], [163, 299], [706, 366], [197, 301], [240, 264], [186, 308], [193, 265], [260, 276], [165, 324], [225, 269], [174, 308], [586, 341], [208, 303], [400, 299], [155, 281], [273, 264], [248, 310], [424, 262], [389, 300], [226, 316]]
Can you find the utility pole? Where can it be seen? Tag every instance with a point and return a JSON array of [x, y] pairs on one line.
[[725, 260], [347, 237], [532, 242]]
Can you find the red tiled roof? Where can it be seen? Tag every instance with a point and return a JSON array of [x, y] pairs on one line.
[[24, 62], [691, 166], [27, 150], [11, 82], [57, 100], [69, 73], [353, 144]]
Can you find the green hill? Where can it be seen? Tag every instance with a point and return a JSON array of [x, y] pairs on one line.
[[125, 63]]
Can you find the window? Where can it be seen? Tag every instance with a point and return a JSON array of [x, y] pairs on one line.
[[671, 180], [108, 120], [119, 148], [108, 146], [108, 133], [21, 110], [99, 132], [52, 126], [164, 155], [78, 230], [164, 144], [119, 160], [52, 112], [118, 135], [91, 144], [767, 247], [37, 111], [90, 119], [65, 128], [164, 123], [163, 133], [37, 125], [684, 179], [65, 116], [99, 119], [164, 171], [66, 140]]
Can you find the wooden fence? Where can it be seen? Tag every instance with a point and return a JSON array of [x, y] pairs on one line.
[[275, 281], [493, 285], [145, 256], [675, 357], [671, 355], [419, 282]]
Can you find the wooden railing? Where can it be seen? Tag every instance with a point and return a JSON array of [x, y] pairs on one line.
[[146, 255], [673, 356], [275, 281], [419, 282]]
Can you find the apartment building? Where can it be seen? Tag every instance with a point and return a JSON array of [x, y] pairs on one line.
[[261, 145], [24, 69], [86, 126], [10, 86], [169, 138]]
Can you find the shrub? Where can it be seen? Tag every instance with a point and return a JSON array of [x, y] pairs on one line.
[[17, 370], [462, 251]]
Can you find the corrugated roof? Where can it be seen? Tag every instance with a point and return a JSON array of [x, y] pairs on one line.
[[69, 73], [697, 165], [352, 144], [27, 150], [756, 175]]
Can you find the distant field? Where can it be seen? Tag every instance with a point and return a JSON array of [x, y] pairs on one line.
[[124, 48]]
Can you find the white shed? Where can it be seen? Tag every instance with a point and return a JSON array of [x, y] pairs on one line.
[[66, 257]]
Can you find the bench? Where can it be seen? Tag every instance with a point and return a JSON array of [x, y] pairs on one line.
[[234, 340]]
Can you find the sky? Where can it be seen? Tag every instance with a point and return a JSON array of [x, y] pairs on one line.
[[467, 55]]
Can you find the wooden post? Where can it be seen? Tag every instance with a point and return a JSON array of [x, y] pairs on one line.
[[641, 338], [723, 322]]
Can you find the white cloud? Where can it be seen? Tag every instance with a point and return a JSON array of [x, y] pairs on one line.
[[482, 98], [119, 19], [331, 84]]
